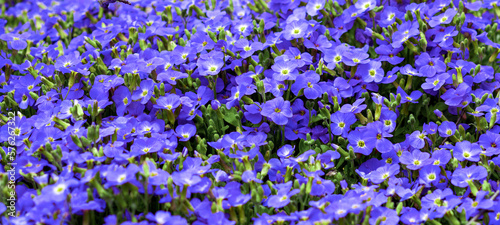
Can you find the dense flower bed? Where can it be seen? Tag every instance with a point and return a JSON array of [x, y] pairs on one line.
[[242, 112]]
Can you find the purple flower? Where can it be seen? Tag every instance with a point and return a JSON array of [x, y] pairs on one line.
[[359, 142], [455, 97], [444, 18], [412, 216], [314, 6], [365, 5], [462, 175], [3, 208], [185, 132], [341, 88], [327, 158], [317, 41], [181, 54], [409, 70], [447, 129], [118, 175], [428, 66], [201, 41], [445, 38], [371, 71], [354, 57], [435, 199], [239, 199], [59, 191], [466, 151], [69, 62], [334, 56], [405, 31], [415, 95], [202, 95], [170, 102], [144, 146], [185, 177], [309, 82], [27, 83], [356, 107], [341, 123], [210, 63], [384, 172], [322, 187], [472, 207], [376, 133], [16, 41], [417, 139], [285, 151], [300, 58], [490, 142], [236, 94], [439, 158], [494, 216], [389, 15], [247, 48], [278, 110], [295, 29], [294, 131], [384, 216], [388, 118], [430, 128], [252, 113], [436, 82], [171, 76], [429, 175], [339, 210], [248, 176], [284, 70], [282, 198], [244, 28], [144, 92], [162, 217], [414, 160], [389, 54]]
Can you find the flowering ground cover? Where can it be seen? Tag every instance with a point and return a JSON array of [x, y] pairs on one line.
[[250, 112]]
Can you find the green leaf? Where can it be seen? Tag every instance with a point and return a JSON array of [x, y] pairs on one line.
[[231, 116]]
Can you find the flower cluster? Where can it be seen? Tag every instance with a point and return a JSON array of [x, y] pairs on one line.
[[250, 112]]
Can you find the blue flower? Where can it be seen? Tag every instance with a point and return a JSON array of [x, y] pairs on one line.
[[376, 133], [170, 102], [295, 29], [436, 82], [185, 132], [444, 18], [447, 129], [466, 151], [414, 160], [144, 146], [308, 81], [144, 92], [462, 175], [16, 41], [428, 66], [429, 175], [284, 70], [278, 110], [359, 142], [210, 63], [282, 198], [341, 123], [59, 191], [371, 71]]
